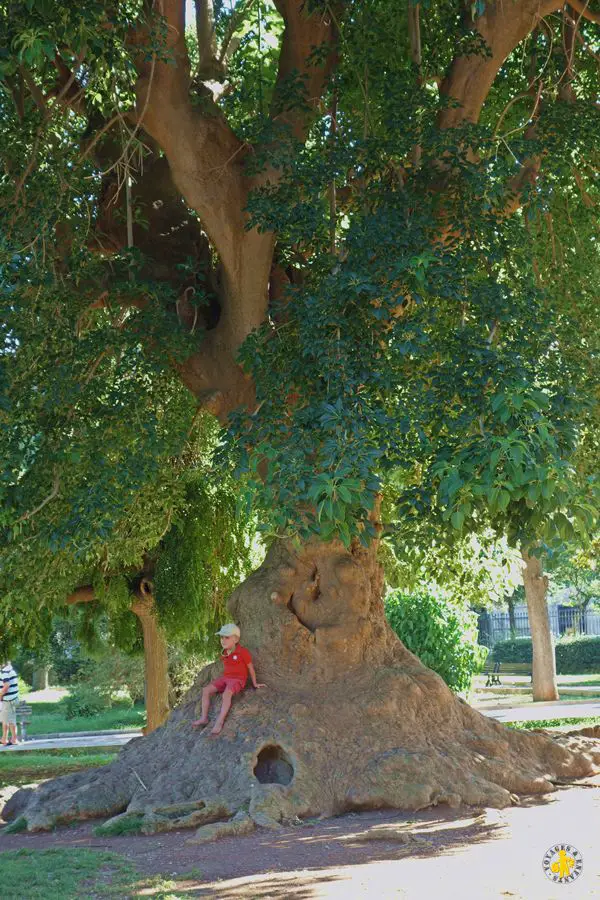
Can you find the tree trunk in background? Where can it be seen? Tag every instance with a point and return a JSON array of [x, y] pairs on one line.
[[155, 659], [544, 662], [512, 622], [40, 678]]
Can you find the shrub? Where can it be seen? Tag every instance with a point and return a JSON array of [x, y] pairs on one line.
[[441, 634], [578, 654], [114, 675], [517, 650], [574, 655], [84, 700], [184, 667]]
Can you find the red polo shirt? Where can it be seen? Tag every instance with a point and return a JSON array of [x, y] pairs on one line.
[[235, 664]]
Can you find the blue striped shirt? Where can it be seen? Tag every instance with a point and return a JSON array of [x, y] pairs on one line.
[[10, 677]]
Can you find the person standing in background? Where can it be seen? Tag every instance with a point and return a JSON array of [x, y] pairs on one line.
[[9, 697]]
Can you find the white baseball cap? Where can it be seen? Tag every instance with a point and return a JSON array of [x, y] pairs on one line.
[[229, 630]]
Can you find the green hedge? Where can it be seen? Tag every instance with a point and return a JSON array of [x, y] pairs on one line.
[[574, 655], [441, 634]]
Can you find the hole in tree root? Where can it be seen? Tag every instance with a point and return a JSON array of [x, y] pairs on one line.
[[273, 766]]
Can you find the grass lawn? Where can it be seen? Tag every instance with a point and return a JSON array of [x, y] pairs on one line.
[[557, 724], [73, 874], [35, 765], [48, 718]]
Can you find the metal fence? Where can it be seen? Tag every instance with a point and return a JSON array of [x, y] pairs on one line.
[[495, 626]]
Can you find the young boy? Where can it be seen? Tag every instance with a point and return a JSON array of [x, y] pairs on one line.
[[237, 663]]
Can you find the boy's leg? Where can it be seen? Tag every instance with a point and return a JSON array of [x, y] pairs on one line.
[[225, 707], [207, 693]]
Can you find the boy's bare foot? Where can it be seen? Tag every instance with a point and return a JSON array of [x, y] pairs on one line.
[[217, 729], [199, 722]]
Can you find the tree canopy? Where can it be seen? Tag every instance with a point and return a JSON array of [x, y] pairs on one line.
[[372, 274]]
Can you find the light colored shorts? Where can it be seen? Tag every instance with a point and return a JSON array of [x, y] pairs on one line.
[[235, 685], [8, 712]]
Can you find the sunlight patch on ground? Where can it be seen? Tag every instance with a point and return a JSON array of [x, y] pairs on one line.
[[50, 695]]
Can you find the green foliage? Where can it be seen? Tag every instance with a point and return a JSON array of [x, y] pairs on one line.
[[84, 700], [473, 570], [574, 568], [573, 654], [63, 653], [208, 550], [131, 824], [113, 675], [184, 666], [441, 634], [447, 363], [16, 827], [563, 724], [51, 719], [578, 654], [517, 650]]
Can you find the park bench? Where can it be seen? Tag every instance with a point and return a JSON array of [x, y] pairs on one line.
[[23, 719], [510, 668], [495, 670], [491, 670]]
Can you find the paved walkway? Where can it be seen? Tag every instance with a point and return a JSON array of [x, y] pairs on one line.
[[71, 741], [559, 709]]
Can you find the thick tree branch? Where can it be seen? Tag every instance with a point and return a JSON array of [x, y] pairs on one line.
[[502, 28], [582, 8], [84, 594], [209, 66], [203, 151], [308, 53]]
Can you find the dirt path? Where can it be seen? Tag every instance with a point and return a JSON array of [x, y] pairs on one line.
[[436, 853]]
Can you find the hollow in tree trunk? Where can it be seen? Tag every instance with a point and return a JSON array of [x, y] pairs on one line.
[[349, 720], [544, 662], [156, 664]]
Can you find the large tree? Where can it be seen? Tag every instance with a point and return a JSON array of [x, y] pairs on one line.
[[319, 211]]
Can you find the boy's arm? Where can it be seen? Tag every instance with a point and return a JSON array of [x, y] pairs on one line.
[[253, 676]]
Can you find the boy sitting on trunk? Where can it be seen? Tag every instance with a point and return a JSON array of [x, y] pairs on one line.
[[237, 664]]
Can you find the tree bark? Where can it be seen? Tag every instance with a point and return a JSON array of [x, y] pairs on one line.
[[155, 659], [544, 662], [40, 678]]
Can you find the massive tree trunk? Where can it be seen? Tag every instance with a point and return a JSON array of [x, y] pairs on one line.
[[156, 664], [349, 720], [544, 662]]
